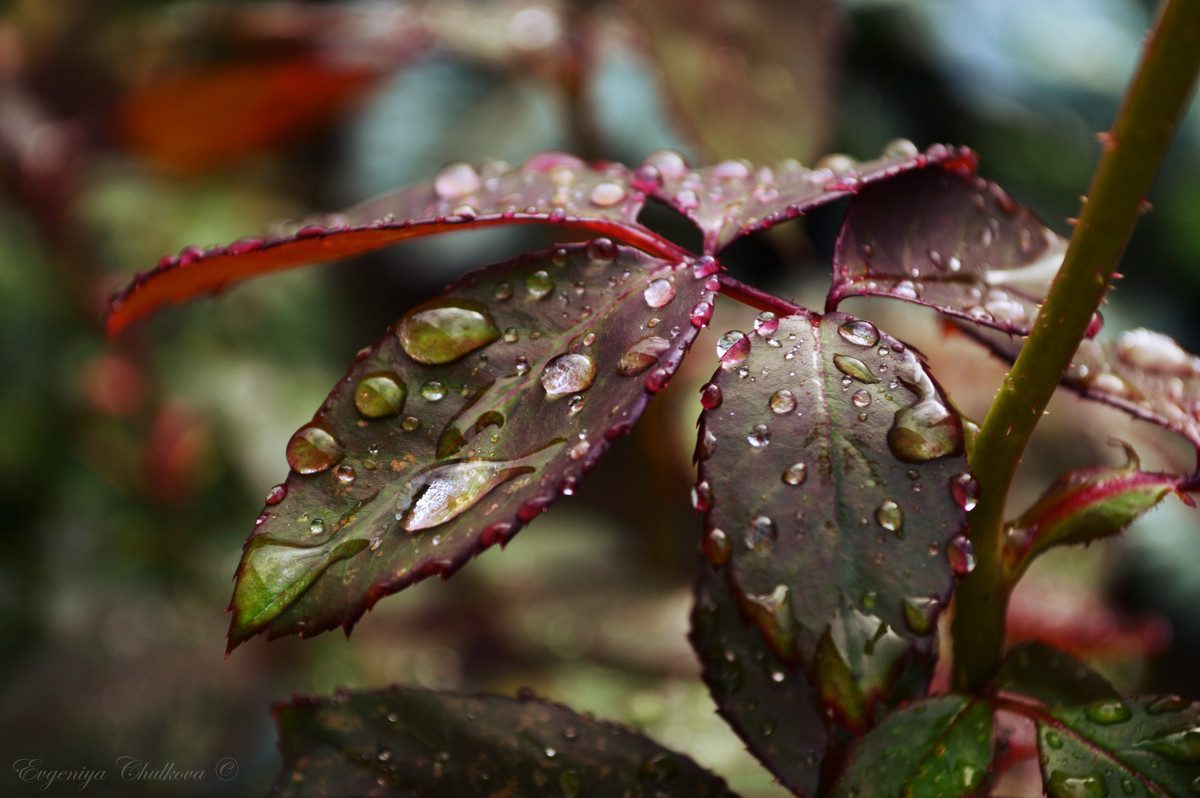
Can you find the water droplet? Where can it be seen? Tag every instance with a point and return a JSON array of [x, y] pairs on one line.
[[1108, 712], [836, 162], [711, 396], [456, 180], [658, 293], [861, 398], [926, 429], [772, 613], [669, 163], [795, 474], [410, 423], [1065, 785], [686, 200], [345, 474], [313, 448], [716, 547], [766, 323], [900, 149], [782, 402], [276, 494], [961, 555], [759, 437], [1167, 705], [316, 527], [1153, 351], [539, 284], [602, 250], [440, 493], [1179, 746], [855, 368], [732, 348], [701, 496], [761, 533], [705, 266], [605, 195], [511, 336], [567, 374], [965, 490], [380, 395], [890, 516], [702, 314], [433, 391], [920, 614], [503, 291], [642, 355], [443, 330], [859, 332]]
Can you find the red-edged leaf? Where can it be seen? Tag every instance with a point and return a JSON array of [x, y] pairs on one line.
[[460, 425], [771, 706], [1145, 373], [405, 742], [211, 117], [733, 198], [1036, 670], [832, 451], [549, 188], [949, 240], [1084, 505]]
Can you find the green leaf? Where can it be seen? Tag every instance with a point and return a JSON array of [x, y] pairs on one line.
[[1081, 506], [949, 240], [410, 742], [733, 198], [462, 424], [937, 748], [1053, 677], [1142, 746], [772, 707], [834, 477]]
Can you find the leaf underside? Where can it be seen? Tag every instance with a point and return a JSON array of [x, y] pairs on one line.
[[1142, 746], [411, 742], [949, 240], [464, 422], [935, 748], [1053, 677], [772, 707], [836, 473]]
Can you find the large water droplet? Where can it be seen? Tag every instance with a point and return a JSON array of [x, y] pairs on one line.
[[276, 494], [859, 332], [861, 398], [539, 284], [658, 293], [1066, 785], [795, 474], [567, 374], [1108, 712], [732, 348], [759, 437], [766, 323], [965, 490], [605, 195], [890, 516], [961, 554], [782, 402], [711, 396], [920, 614], [702, 314], [927, 428], [1179, 746], [443, 330], [433, 391], [642, 355], [855, 368], [761, 533], [380, 395], [440, 493], [900, 149], [313, 448], [456, 180], [602, 250]]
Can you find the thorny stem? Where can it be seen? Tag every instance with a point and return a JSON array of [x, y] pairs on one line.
[[757, 298], [1132, 153]]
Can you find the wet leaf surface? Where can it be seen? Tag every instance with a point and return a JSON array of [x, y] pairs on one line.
[[771, 706], [732, 198], [412, 742], [1141, 746], [837, 479], [549, 188], [1054, 677], [937, 748], [1145, 373], [949, 240], [1084, 505], [463, 423]]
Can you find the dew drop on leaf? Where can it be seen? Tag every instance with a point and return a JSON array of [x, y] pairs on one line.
[[443, 330], [766, 323], [795, 474], [602, 250], [732, 348], [859, 332], [313, 448], [926, 429], [702, 496], [961, 555], [410, 423], [711, 396], [900, 149], [1108, 712], [503, 291], [716, 548], [761, 533], [539, 284], [440, 493], [456, 180], [276, 494], [658, 293], [567, 374], [920, 613], [861, 398], [965, 490], [1168, 705], [345, 474], [669, 163], [889, 516], [854, 368], [1065, 785], [782, 402], [642, 355], [605, 195], [705, 266], [380, 395], [433, 391], [759, 437]]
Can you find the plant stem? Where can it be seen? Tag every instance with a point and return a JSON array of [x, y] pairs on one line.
[[1132, 153], [757, 298]]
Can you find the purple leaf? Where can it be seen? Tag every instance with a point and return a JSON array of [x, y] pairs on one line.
[[463, 423], [826, 448], [733, 198], [1039, 671], [949, 240], [409, 742]]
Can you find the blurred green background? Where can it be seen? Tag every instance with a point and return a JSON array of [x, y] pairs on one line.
[[131, 471]]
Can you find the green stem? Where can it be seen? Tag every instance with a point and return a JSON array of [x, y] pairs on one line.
[[1132, 154]]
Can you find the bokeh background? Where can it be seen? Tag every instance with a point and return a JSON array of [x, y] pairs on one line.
[[131, 470]]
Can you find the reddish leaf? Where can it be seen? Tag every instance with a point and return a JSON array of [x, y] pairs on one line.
[[1036, 670], [949, 240], [407, 742], [211, 117], [847, 460], [549, 188], [771, 706], [733, 198], [462, 424]]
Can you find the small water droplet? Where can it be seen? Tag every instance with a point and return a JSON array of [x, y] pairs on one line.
[[761, 533], [759, 437], [795, 474], [316, 527], [380, 395], [705, 266], [456, 180], [605, 195], [511, 336], [567, 374], [716, 547], [410, 423], [345, 474], [965, 490], [658, 293], [890, 516], [711, 396], [1108, 712], [276, 494], [602, 250], [920, 613], [433, 391], [313, 448], [1167, 705], [702, 496], [443, 330], [539, 284], [766, 323], [861, 398], [642, 355], [732, 348], [900, 149], [961, 555], [782, 402], [1065, 785], [859, 332]]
